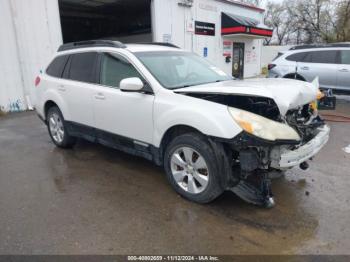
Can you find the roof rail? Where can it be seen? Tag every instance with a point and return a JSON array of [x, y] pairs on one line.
[[91, 43], [160, 43], [299, 47]]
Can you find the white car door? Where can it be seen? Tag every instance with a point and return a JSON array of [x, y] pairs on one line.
[[343, 73], [77, 88], [125, 114], [321, 64]]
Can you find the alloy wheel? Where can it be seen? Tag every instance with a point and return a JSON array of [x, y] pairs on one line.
[[56, 128], [189, 170]]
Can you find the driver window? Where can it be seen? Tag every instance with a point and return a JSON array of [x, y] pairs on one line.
[[114, 69]]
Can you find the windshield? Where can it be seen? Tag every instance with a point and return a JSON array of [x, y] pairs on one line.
[[181, 69]]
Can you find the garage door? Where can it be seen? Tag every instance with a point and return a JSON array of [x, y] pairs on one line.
[[128, 21]]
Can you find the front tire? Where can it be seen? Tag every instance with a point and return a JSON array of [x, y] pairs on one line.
[[57, 129], [192, 169]]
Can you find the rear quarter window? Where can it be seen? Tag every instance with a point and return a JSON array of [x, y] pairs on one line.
[[298, 57], [56, 67]]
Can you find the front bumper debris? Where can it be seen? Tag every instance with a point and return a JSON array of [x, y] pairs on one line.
[[282, 158], [256, 190]]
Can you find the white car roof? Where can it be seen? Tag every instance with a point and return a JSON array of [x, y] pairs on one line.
[[313, 49], [128, 47], [149, 48]]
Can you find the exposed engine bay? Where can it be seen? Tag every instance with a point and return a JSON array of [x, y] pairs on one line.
[[263, 106], [252, 160], [303, 119]]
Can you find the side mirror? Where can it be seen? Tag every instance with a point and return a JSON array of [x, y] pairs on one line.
[[132, 84]]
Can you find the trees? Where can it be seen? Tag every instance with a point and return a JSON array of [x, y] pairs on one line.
[[314, 18], [343, 21], [276, 17], [313, 21]]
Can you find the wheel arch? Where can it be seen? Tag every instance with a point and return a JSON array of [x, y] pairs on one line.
[[296, 76], [48, 104], [172, 132], [51, 98]]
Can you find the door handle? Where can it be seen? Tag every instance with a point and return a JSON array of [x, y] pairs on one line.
[[62, 88], [100, 96], [344, 70], [305, 68]]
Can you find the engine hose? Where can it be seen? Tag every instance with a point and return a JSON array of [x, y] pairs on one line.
[[336, 118]]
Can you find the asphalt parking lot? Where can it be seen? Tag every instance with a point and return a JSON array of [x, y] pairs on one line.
[[95, 200]]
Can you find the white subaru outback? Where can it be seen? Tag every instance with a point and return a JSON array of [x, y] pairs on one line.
[[209, 131]]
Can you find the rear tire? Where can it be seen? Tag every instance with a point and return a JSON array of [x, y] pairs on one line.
[[57, 129], [192, 169]]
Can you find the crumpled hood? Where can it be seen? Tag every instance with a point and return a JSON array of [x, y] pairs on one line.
[[287, 93]]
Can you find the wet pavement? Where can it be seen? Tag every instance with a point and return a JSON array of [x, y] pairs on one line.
[[95, 200]]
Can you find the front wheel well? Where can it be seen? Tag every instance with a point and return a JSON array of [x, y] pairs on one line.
[[173, 132]]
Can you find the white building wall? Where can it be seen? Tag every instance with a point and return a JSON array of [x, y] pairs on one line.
[[30, 35], [171, 24], [252, 54], [11, 91], [270, 52]]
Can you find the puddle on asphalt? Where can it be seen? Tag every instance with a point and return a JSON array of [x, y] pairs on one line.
[[226, 225]]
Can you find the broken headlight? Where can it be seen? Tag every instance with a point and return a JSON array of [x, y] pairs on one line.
[[263, 127]]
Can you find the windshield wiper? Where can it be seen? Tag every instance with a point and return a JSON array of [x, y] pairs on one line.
[[184, 86], [180, 87]]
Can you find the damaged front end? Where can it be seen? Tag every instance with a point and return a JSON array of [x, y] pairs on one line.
[[259, 157], [270, 142], [314, 134]]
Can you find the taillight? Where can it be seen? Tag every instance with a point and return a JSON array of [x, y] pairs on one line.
[[270, 66], [37, 81]]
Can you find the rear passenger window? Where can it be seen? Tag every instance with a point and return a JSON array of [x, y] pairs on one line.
[[324, 57], [345, 57], [56, 67], [82, 67], [116, 68]]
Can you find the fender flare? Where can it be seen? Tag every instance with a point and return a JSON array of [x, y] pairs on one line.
[[59, 101], [218, 123]]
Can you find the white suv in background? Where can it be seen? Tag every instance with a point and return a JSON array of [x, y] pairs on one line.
[[331, 63], [210, 132]]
